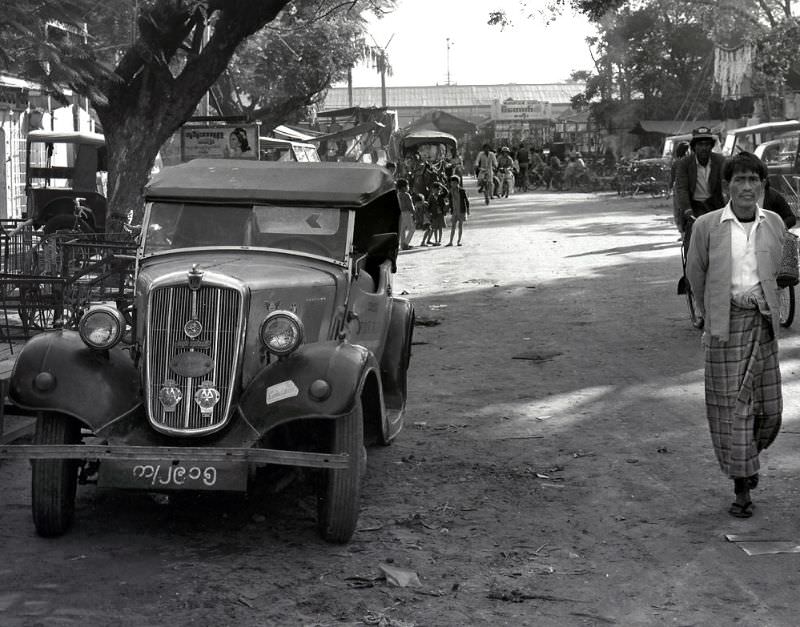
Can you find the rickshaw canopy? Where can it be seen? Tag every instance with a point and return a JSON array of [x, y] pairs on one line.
[[415, 138]]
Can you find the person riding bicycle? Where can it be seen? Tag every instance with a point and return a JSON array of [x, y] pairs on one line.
[[505, 168], [523, 159], [698, 179]]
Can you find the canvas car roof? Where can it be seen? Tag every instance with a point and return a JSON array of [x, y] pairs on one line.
[[342, 184]]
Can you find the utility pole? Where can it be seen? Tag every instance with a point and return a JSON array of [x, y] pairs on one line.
[[448, 60], [382, 70], [380, 65]]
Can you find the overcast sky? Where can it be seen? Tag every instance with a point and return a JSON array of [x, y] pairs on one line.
[[527, 52]]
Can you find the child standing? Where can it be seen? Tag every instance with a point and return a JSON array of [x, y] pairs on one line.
[[436, 205], [422, 209]]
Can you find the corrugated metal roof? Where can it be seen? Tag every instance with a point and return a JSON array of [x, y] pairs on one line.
[[452, 95], [673, 127]]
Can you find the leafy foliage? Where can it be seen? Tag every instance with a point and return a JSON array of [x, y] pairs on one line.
[[145, 72], [286, 67]]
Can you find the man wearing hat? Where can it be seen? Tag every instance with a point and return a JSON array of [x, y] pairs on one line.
[[698, 179]]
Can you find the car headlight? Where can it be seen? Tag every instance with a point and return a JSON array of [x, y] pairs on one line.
[[282, 332], [101, 327]]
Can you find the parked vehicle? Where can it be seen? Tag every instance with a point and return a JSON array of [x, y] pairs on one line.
[[783, 163], [747, 138], [264, 333], [431, 145], [427, 157], [61, 167], [273, 149]]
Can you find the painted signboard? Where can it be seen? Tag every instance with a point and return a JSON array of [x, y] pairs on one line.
[[219, 142], [521, 110]]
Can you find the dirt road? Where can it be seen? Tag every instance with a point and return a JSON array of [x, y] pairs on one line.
[[555, 468]]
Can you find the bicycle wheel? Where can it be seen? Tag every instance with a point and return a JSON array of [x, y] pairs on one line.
[[786, 305]]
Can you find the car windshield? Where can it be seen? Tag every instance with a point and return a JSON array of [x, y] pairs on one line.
[[312, 230]]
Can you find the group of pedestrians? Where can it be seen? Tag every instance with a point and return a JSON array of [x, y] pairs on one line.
[[734, 254], [502, 174], [429, 213]]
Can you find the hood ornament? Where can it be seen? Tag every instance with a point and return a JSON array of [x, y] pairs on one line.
[[195, 276]]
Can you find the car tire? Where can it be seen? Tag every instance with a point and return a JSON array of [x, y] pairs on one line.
[[54, 481], [339, 500]]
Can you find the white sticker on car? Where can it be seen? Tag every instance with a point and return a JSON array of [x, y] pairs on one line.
[[281, 391]]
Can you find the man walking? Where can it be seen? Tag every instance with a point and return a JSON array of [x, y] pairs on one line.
[[486, 164], [733, 260], [698, 179], [406, 214]]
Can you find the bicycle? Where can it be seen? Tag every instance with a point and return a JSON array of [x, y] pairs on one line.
[[786, 295], [684, 287]]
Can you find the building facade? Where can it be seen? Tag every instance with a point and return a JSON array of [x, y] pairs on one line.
[[24, 107], [473, 103]]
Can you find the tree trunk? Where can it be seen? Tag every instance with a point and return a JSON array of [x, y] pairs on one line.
[[146, 103]]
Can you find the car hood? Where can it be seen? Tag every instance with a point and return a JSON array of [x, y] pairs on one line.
[[307, 287]]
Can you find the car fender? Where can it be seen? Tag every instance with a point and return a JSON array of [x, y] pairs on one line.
[[285, 389], [56, 371]]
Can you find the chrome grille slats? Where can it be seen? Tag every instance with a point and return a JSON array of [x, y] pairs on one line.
[[220, 312]]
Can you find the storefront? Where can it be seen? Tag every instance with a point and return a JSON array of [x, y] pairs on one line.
[[516, 121]]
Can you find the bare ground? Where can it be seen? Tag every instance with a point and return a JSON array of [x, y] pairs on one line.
[[555, 467]]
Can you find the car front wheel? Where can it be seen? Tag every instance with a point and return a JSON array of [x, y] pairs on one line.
[[339, 500], [54, 481]]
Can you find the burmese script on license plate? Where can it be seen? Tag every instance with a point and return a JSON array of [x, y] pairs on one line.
[[165, 475]]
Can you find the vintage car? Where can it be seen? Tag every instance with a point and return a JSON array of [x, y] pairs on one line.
[[273, 149], [265, 332], [747, 138]]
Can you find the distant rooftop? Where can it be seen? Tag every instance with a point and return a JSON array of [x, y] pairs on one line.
[[452, 95]]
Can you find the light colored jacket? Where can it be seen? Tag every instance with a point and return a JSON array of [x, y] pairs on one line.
[[709, 268]]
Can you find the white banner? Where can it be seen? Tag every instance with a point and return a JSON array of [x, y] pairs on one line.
[[521, 110]]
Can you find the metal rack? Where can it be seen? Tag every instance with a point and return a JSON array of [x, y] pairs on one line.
[[48, 280]]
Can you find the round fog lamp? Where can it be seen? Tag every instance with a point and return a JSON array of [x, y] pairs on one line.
[[101, 327], [282, 332]]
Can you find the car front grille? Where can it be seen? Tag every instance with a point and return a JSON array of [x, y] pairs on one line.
[[219, 313]]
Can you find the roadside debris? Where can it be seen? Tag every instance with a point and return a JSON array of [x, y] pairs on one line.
[[537, 356], [754, 545], [399, 577], [519, 596], [421, 321]]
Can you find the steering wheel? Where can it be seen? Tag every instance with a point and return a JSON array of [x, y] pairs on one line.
[[300, 244]]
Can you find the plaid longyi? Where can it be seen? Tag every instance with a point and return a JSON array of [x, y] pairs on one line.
[[743, 392]]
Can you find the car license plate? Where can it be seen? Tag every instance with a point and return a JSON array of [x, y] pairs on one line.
[[165, 475]]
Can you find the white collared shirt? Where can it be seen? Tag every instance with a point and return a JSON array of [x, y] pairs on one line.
[[701, 190], [744, 263]]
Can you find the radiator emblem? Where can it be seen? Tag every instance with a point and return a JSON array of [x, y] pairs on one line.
[[206, 397], [193, 328], [169, 395]]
